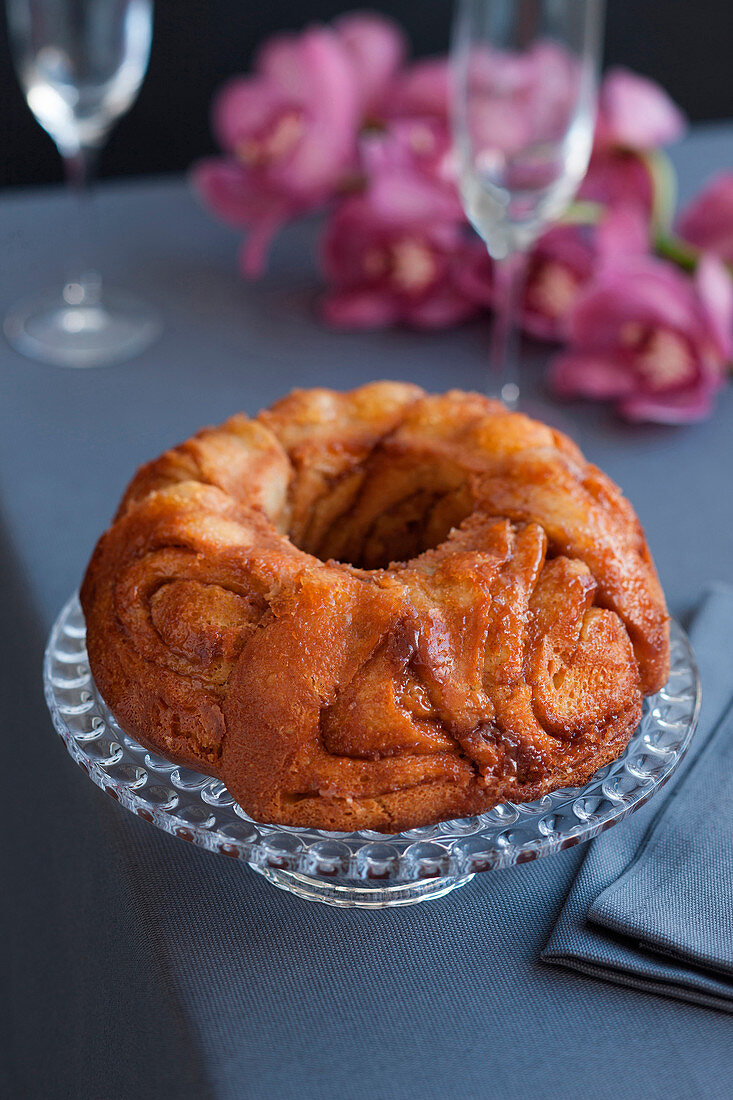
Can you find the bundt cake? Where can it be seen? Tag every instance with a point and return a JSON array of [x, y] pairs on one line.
[[377, 609]]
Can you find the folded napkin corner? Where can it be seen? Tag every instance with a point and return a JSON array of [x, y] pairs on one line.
[[652, 904]]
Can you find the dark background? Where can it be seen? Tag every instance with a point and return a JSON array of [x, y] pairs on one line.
[[684, 44]]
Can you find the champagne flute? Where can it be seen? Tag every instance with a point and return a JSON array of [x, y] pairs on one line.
[[525, 75], [80, 64]]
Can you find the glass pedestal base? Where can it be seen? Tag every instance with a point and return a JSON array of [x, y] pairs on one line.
[[55, 328], [359, 895]]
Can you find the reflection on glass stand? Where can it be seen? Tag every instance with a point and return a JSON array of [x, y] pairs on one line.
[[80, 64], [525, 75]]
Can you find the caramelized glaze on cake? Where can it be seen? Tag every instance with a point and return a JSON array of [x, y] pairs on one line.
[[377, 609]]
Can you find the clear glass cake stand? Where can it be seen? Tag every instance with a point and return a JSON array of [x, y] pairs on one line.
[[365, 869]]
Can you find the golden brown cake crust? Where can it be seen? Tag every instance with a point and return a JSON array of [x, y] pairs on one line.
[[377, 609]]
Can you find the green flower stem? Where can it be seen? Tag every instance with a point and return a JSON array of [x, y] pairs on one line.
[[679, 252], [664, 189], [583, 212]]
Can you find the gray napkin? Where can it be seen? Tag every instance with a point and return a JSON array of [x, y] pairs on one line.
[[652, 905]]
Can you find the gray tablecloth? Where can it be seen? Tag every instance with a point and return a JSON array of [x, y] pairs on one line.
[[137, 966]]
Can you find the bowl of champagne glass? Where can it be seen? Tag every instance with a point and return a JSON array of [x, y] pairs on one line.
[[80, 64], [525, 78]]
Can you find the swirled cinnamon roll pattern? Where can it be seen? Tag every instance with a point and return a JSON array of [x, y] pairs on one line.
[[377, 609]]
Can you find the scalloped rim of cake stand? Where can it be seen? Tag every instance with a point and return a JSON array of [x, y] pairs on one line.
[[365, 869]]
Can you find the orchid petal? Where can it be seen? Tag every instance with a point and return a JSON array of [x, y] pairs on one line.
[[683, 408], [377, 48], [707, 222], [618, 176], [244, 106], [640, 290], [227, 189], [423, 90], [715, 289], [358, 309], [279, 61], [636, 113], [402, 196], [623, 231], [440, 310], [254, 249], [575, 374], [331, 116]]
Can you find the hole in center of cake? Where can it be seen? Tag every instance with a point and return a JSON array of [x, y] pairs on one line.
[[380, 523]]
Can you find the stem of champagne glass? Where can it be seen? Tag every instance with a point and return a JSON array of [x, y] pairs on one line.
[[509, 279], [83, 284]]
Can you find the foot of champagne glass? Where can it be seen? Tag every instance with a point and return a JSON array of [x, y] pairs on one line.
[[75, 328]]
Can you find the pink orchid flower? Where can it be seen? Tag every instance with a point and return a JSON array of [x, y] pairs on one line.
[[562, 263], [651, 339], [707, 222], [377, 48], [635, 115], [289, 132], [565, 260], [394, 265]]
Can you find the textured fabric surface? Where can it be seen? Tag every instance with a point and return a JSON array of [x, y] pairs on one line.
[[652, 906], [431, 1001], [138, 966], [88, 1006]]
